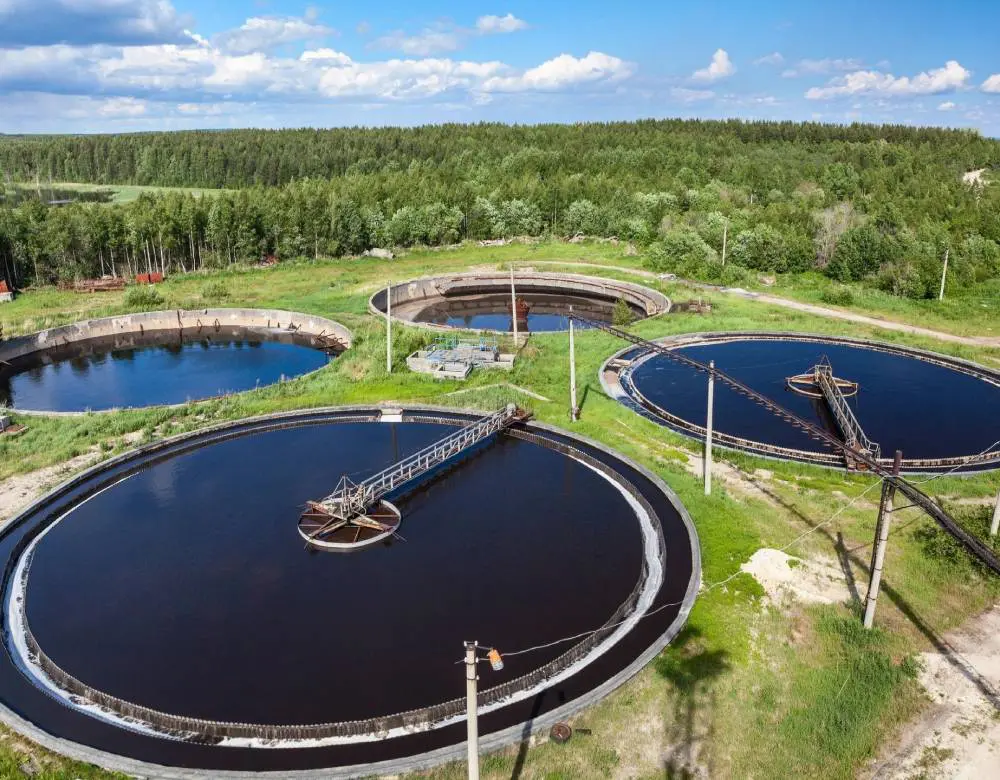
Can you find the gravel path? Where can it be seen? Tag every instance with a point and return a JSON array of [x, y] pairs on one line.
[[822, 311]]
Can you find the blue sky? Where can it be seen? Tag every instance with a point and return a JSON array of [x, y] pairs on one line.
[[120, 65]]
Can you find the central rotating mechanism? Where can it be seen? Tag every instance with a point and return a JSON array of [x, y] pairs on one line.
[[357, 515]]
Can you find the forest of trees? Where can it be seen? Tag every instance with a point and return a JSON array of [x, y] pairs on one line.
[[879, 205]]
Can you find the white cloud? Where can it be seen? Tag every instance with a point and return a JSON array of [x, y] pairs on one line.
[[774, 58], [85, 22], [176, 84], [491, 25], [992, 84], [325, 55], [691, 95], [721, 67], [429, 41], [563, 72], [265, 33], [871, 82], [822, 67], [947, 106]]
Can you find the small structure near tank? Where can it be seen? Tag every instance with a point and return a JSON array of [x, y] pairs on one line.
[[452, 358], [6, 294], [695, 306]]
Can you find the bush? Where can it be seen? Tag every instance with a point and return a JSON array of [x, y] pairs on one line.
[[143, 297], [215, 291], [841, 295], [683, 252], [621, 315]]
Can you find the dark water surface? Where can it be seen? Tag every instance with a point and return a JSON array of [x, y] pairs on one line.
[[152, 369], [186, 588], [925, 410], [547, 312]]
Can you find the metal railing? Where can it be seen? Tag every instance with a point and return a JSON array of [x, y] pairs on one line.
[[851, 429], [350, 500], [977, 547]]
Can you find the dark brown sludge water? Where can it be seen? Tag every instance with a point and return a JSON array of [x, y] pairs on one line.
[[186, 588], [158, 367], [546, 311]]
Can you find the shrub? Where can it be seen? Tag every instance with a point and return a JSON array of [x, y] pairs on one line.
[[621, 315], [215, 291], [841, 295], [143, 297]]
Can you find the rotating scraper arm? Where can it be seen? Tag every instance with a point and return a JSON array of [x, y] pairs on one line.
[[918, 497]]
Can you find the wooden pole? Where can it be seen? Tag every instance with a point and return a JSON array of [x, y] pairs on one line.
[[995, 526], [513, 305], [944, 273], [708, 428], [472, 715], [574, 411], [725, 235], [881, 541], [388, 327]]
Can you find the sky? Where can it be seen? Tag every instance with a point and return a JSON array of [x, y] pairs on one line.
[[85, 66]]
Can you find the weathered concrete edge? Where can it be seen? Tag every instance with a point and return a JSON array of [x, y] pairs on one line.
[[618, 393], [488, 743], [168, 319], [662, 303]]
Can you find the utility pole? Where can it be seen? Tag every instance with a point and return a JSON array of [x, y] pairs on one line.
[[574, 411], [944, 273], [388, 328], [513, 305], [725, 235], [881, 540], [995, 525], [708, 428], [471, 708]]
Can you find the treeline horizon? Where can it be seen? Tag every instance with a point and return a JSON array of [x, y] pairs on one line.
[[875, 204]]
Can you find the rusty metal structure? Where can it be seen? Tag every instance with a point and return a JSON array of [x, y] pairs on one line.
[[859, 455], [820, 382], [351, 504]]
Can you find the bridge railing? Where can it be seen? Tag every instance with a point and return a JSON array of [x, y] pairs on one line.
[[975, 546]]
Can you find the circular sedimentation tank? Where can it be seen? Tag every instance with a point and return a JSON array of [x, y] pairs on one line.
[[482, 301], [938, 410], [162, 610], [162, 358]]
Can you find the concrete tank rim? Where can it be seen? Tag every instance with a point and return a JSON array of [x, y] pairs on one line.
[[488, 742], [659, 300], [335, 328], [614, 390]]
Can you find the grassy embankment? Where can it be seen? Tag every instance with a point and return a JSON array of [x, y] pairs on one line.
[[752, 687]]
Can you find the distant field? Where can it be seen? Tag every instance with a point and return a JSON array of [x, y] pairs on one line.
[[126, 193]]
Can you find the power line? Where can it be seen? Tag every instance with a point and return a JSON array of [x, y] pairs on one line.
[[705, 590]]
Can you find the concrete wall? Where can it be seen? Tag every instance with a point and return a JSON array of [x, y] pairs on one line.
[[173, 320], [410, 297]]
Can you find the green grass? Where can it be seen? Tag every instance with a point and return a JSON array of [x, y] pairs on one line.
[[760, 691], [126, 193]]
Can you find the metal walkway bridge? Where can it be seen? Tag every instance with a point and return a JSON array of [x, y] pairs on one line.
[[974, 545], [854, 435], [350, 501]]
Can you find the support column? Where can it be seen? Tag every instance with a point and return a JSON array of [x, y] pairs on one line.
[[708, 428], [471, 709], [513, 305], [388, 328], [995, 526], [881, 541], [574, 411], [944, 273]]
